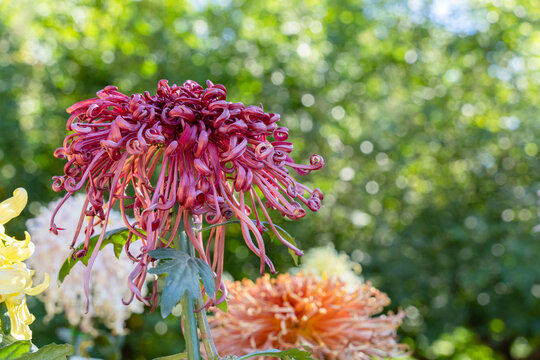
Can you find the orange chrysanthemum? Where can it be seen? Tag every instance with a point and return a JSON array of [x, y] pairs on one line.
[[292, 311]]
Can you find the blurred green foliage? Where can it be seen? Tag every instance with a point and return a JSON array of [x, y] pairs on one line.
[[430, 135], [461, 344]]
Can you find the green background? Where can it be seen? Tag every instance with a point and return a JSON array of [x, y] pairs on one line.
[[427, 121]]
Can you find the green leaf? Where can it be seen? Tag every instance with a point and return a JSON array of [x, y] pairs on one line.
[[117, 237], [173, 357], [50, 352], [183, 272], [292, 354], [14, 350], [267, 235], [6, 340], [286, 236], [5, 320], [216, 225], [223, 306]]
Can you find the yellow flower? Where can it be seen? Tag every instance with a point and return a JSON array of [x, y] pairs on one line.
[[15, 277]]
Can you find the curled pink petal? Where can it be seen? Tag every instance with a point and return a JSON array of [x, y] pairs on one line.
[[184, 154]]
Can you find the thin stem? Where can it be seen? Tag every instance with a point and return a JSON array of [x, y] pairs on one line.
[[190, 329], [208, 342], [188, 313], [193, 320]]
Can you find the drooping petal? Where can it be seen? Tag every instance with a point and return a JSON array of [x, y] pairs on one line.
[[13, 206], [13, 279], [108, 282], [38, 289], [16, 250], [20, 317], [185, 150]]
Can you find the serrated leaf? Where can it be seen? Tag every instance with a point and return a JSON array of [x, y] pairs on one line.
[[15, 350], [117, 237], [50, 352], [292, 354], [173, 357], [183, 273]]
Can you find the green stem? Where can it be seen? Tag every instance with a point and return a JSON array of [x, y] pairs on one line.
[[190, 329], [208, 342], [193, 320], [188, 313]]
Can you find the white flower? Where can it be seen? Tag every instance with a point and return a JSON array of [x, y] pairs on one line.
[[108, 283], [326, 261]]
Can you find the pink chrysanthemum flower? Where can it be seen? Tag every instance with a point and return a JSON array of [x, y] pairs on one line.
[[185, 150], [292, 311]]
